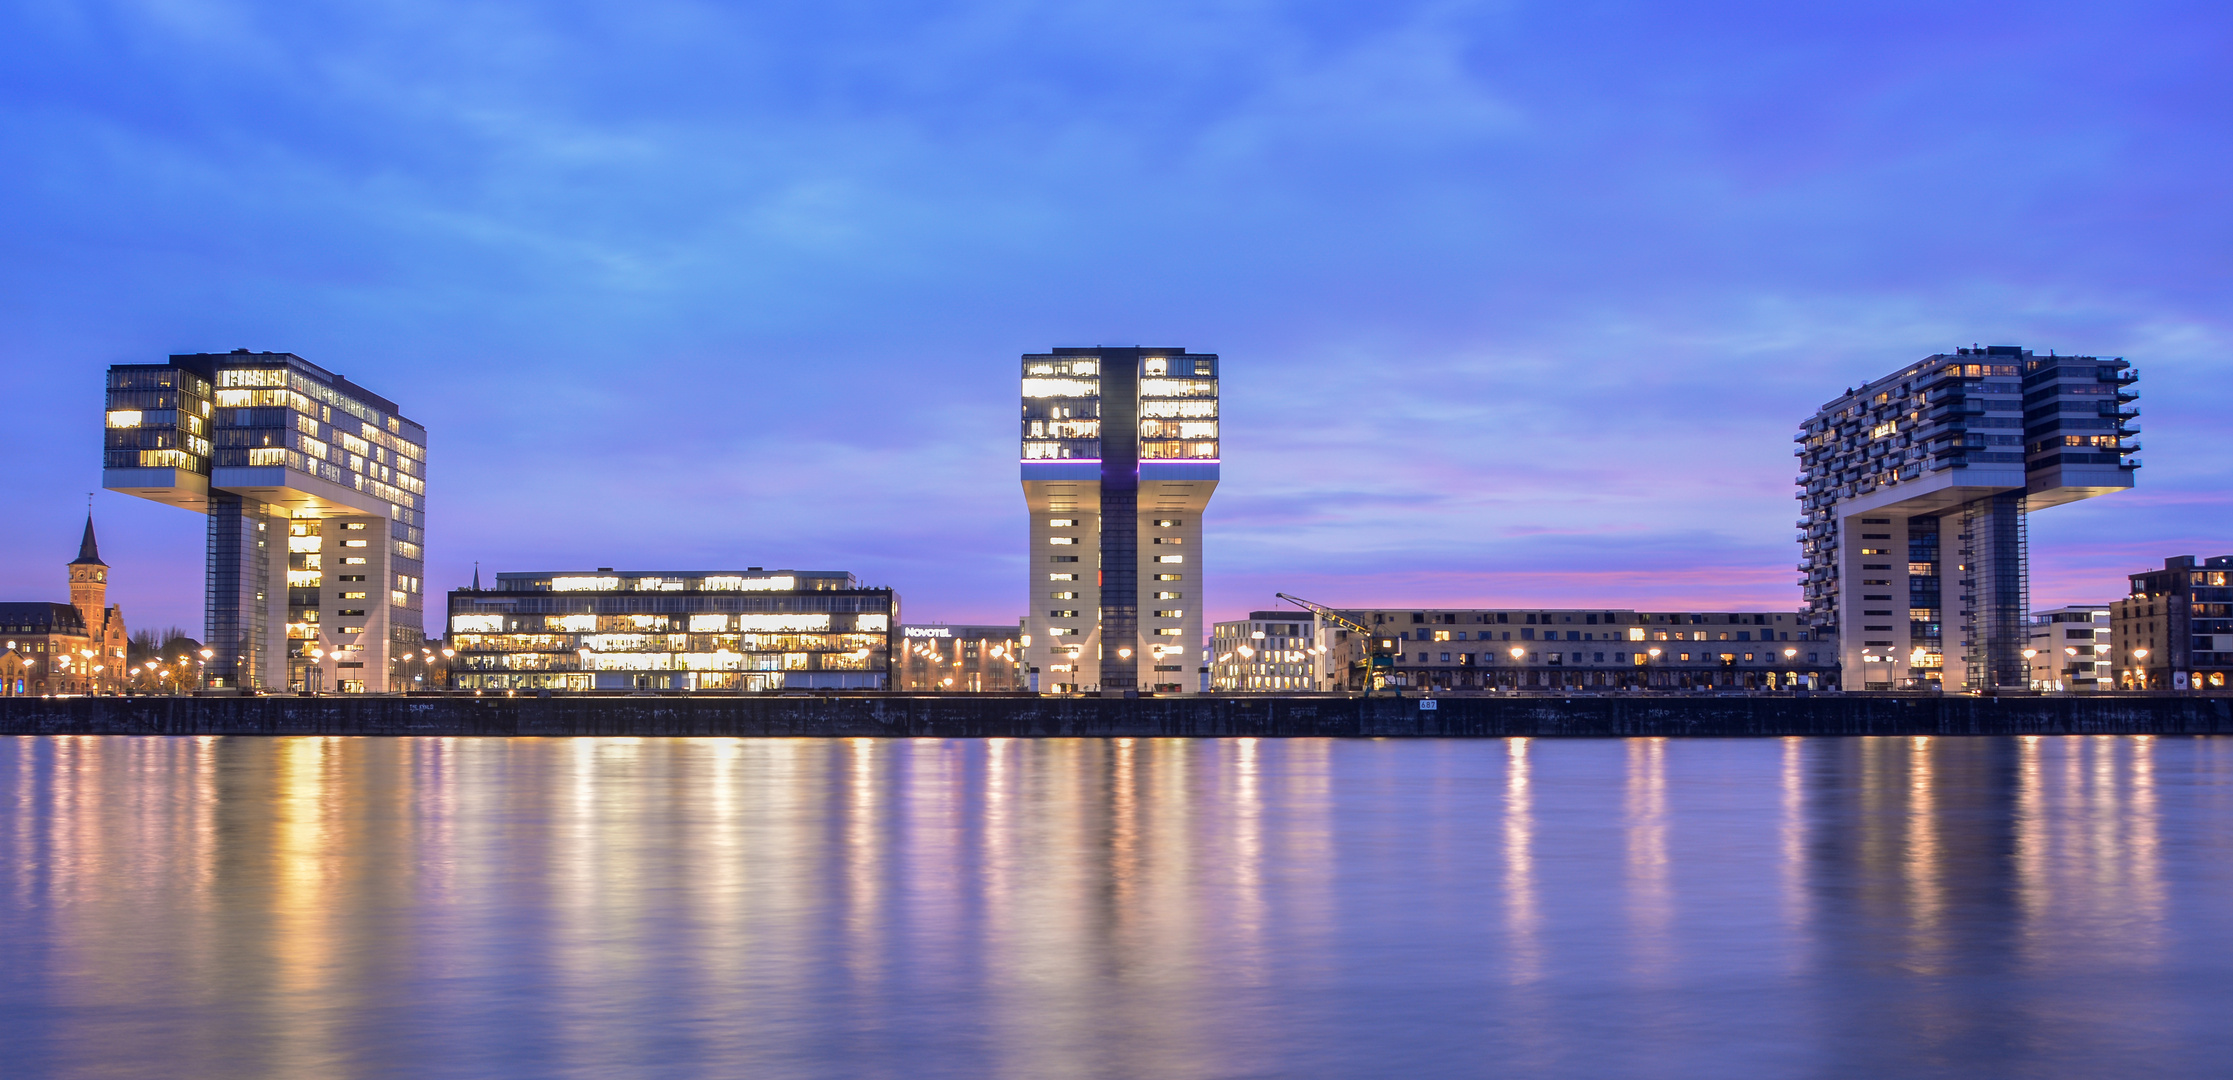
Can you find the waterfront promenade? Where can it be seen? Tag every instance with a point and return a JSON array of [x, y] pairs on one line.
[[1024, 716]]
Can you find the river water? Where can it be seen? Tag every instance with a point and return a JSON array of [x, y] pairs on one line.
[[327, 907]]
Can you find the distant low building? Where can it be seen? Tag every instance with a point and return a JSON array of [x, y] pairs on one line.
[[73, 648], [2174, 631], [1268, 652], [1461, 649], [703, 630], [2070, 649], [954, 658]]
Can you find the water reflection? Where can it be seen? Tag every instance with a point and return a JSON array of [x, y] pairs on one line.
[[446, 907]]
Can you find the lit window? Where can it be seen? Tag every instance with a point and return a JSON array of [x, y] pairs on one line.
[[1063, 523], [352, 596], [355, 543], [1168, 631], [1170, 596], [1171, 613], [353, 562], [1170, 558], [1062, 577], [1062, 540], [1169, 577], [124, 418]]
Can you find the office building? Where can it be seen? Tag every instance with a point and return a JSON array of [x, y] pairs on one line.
[[2071, 649], [73, 648], [2174, 629], [1474, 649], [1914, 491], [1120, 457], [941, 658], [697, 630], [315, 493], [1270, 652]]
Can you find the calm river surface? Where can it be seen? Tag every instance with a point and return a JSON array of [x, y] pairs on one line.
[[313, 907]]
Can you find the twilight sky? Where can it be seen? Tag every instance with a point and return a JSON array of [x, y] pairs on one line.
[[1520, 303]]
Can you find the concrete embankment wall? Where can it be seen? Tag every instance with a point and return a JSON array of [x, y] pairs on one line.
[[1031, 717]]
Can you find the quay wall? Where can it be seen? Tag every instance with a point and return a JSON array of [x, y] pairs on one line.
[[956, 716]]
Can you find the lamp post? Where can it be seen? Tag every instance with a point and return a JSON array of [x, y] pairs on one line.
[[206, 655], [2141, 655], [1518, 653], [2028, 654], [1651, 664]]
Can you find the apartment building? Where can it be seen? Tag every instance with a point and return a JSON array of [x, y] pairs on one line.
[[2071, 649], [1915, 489], [1472, 649], [2174, 629], [1120, 458]]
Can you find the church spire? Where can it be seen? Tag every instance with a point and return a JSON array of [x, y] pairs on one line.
[[89, 553], [476, 577]]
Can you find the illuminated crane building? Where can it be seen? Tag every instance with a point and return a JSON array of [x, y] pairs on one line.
[[315, 493], [1915, 489], [1120, 457]]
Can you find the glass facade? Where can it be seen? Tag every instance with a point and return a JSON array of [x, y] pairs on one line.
[[315, 491], [721, 631], [946, 658]]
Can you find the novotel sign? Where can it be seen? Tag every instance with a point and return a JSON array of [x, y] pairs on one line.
[[927, 631]]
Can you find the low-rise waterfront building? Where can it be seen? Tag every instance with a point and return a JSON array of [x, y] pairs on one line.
[[1461, 649], [2070, 649], [957, 658], [73, 648], [2174, 630], [705, 630], [1268, 652]]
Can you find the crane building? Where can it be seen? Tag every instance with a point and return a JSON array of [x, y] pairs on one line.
[[1120, 457], [1914, 492], [315, 494]]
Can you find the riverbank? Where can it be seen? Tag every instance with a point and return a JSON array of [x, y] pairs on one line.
[[955, 716]]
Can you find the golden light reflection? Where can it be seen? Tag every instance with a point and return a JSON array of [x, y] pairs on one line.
[[1796, 908], [1522, 925], [1922, 861], [1650, 902], [303, 945]]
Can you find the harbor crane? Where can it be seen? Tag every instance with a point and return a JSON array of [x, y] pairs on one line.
[[1370, 671]]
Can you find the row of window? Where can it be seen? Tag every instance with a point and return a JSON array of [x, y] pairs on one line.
[[1465, 659]]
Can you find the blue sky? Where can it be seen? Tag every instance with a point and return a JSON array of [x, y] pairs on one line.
[[1520, 303]]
